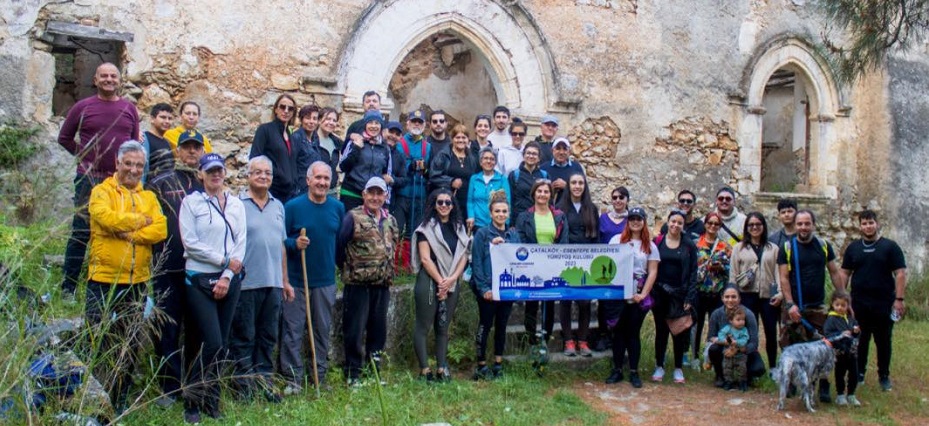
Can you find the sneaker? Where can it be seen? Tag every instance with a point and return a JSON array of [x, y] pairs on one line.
[[443, 376], [853, 401], [569, 348], [886, 386], [743, 385], [719, 382], [214, 413], [273, 397], [695, 364], [165, 401], [727, 385], [616, 376], [841, 400], [825, 397], [292, 389], [482, 372], [427, 377], [635, 380], [658, 375], [583, 349], [603, 344], [353, 382], [191, 416], [860, 378], [678, 375]]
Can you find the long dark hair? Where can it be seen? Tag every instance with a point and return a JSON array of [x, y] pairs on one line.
[[431, 213], [588, 208], [764, 227], [277, 102]]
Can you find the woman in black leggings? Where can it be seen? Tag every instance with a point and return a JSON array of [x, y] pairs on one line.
[[492, 313], [440, 257]]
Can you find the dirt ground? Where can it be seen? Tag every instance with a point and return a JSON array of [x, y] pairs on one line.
[[698, 404]]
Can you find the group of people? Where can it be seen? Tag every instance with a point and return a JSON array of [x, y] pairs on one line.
[[250, 277]]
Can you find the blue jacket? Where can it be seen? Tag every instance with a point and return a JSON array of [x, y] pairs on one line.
[[413, 151], [481, 273], [479, 196]]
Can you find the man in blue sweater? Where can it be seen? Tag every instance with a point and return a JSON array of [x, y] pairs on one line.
[[321, 216], [561, 168]]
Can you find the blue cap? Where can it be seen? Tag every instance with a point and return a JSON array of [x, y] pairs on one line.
[[550, 119], [417, 115], [211, 161], [374, 115], [191, 135], [638, 212], [394, 125]]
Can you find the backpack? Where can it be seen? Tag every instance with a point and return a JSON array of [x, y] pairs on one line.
[[788, 249]]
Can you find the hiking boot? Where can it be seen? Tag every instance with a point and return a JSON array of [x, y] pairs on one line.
[[678, 375], [483, 373], [841, 400], [616, 376], [853, 401], [497, 371], [658, 375], [569, 348], [635, 380], [583, 349], [886, 386]]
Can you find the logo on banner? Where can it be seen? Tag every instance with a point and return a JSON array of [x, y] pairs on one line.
[[522, 254]]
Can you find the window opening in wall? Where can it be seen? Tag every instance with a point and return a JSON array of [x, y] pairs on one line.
[[785, 148]]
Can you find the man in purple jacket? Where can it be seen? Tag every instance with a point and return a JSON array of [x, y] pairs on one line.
[[92, 132]]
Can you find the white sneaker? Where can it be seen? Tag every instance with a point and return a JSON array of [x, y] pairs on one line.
[[292, 389], [695, 364], [658, 375], [853, 401], [841, 400], [678, 375]]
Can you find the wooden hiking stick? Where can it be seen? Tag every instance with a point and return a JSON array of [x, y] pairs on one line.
[[309, 318]]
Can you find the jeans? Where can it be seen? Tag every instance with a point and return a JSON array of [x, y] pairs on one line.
[[80, 233], [294, 333], [114, 316]]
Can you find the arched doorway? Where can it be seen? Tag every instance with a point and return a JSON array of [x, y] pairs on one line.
[[795, 83], [503, 37]]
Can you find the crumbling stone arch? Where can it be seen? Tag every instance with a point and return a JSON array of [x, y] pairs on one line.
[[827, 114], [523, 73]]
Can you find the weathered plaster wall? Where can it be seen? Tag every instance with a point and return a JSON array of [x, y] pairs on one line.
[[666, 82]]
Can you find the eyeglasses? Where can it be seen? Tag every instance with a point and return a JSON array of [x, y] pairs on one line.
[[260, 173], [714, 224], [445, 203], [438, 121], [286, 108], [619, 197], [754, 225], [520, 134], [530, 154], [685, 201], [724, 199]]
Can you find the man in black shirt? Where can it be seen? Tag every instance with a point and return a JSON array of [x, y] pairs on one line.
[[785, 213], [370, 101], [693, 225], [878, 280], [802, 262], [438, 138], [159, 154]]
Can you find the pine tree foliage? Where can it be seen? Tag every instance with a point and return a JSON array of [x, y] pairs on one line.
[[873, 29]]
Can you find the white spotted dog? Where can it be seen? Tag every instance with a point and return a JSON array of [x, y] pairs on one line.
[[803, 364]]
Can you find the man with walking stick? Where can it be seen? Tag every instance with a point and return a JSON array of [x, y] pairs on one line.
[[320, 215]]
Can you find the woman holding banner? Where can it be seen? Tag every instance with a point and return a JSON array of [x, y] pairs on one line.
[[675, 295], [541, 224], [439, 258], [492, 313], [582, 229], [626, 327], [612, 223]]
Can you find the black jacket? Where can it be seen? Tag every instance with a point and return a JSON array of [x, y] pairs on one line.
[[684, 291], [521, 181], [171, 186], [361, 164], [525, 225], [269, 141]]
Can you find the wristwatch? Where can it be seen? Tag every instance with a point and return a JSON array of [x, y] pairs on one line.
[[789, 305]]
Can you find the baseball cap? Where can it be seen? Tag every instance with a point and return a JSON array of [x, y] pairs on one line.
[[191, 135], [211, 161], [417, 115], [562, 141], [550, 119], [638, 212], [394, 125], [377, 182]]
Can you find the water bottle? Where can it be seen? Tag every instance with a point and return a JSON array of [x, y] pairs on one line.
[[895, 315]]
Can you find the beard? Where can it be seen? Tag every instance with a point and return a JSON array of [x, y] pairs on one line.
[[416, 132]]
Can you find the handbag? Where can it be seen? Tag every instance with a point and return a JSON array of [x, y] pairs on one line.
[[746, 279], [680, 324]]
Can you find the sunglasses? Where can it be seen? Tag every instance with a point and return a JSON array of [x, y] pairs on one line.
[[619, 197], [685, 201], [445, 203], [636, 219], [286, 108], [754, 225], [724, 199], [714, 224], [438, 121], [520, 134]]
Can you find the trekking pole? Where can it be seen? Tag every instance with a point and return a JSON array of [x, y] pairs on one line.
[[309, 318]]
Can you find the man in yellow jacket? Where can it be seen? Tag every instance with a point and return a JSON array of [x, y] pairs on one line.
[[125, 221]]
